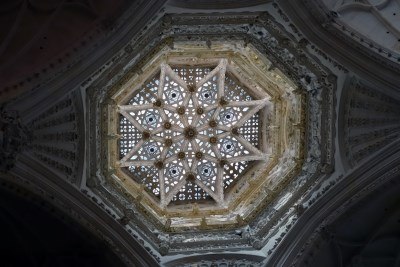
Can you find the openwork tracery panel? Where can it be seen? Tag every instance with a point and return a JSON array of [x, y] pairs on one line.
[[189, 132]]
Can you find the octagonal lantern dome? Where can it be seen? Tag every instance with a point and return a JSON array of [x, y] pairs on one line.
[[204, 135]]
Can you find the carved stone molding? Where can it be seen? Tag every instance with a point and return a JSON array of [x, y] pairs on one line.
[[280, 131]]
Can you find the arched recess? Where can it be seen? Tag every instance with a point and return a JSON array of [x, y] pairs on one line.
[[32, 176], [371, 23], [321, 27], [312, 231], [41, 39], [39, 234], [368, 121]]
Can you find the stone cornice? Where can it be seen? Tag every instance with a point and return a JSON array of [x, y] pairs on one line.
[[36, 178]]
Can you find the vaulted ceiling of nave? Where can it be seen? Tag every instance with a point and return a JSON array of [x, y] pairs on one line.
[[83, 81]]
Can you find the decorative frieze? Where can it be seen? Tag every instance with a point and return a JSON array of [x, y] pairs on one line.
[[57, 137], [371, 121]]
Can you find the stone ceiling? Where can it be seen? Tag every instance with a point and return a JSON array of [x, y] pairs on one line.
[[259, 44], [59, 139]]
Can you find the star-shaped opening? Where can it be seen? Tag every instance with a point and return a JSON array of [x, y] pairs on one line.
[[190, 132]]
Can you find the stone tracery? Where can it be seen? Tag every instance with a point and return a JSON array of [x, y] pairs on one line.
[[189, 127], [273, 129]]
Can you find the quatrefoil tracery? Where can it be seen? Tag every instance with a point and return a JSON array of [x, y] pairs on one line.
[[190, 132]]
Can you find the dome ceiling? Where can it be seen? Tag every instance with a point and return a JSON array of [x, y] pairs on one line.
[[285, 87], [201, 132], [190, 135]]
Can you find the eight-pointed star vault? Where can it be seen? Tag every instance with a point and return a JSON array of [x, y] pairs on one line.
[[191, 131]]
